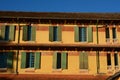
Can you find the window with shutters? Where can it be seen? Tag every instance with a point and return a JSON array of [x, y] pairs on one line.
[[60, 60], [6, 59], [116, 59], [83, 34], [30, 60], [55, 33], [83, 60], [114, 34], [7, 33], [29, 33]]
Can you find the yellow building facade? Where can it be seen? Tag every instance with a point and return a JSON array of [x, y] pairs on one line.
[[59, 43]]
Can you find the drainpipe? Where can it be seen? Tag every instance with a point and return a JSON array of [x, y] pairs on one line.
[[17, 57], [97, 52]]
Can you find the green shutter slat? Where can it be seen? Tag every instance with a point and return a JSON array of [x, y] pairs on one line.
[[50, 33], [64, 60], [25, 33], [85, 60], [55, 60], [81, 58], [3, 32], [76, 33], [37, 60], [90, 34], [10, 59], [33, 35], [59, 35], [12, 33], [23, 60]]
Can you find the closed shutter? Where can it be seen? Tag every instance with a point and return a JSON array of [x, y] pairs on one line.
[[76, 33], [59, 34], [23, 60], [81, 58], [12, 33], [37, 60], [33, 34], [90, 34], [64, 60], [50, 33], [85, 60], [25, 33], [55, 60], [3, 32], [10, 59]]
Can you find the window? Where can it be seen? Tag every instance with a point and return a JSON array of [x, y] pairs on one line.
[[55, 33], [108, 59], [29, 33], [83, 34], [114, 33], [60, 60], [83, 60], [7, 33], [116, 59], [6, 59], [30, 60]]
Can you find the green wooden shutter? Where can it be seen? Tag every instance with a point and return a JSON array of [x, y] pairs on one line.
[[64, 60], [55, 60], [10, 59], [50, 33], [33, 34], [90, 34], [76, 33], [37, 60], [81, 58], [85, 60], [23, 60], [59, 34], [3, 32], [25, 33], [12, 33]]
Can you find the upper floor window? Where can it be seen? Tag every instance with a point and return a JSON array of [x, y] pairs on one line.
[[114, 33], [29, 33], [107, 33], [7, 33], [83, 34], [55, 33]]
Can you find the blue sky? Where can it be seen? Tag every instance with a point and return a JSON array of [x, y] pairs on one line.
[[60, 5]]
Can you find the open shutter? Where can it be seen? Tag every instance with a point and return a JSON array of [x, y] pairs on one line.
[[90, 34], [76, 33], [10, 59], [12, 33], [64, 60], [50, 33], [55, 60], [85, 60], [25, 33], [81, 58], [33, 34], [59, 34], [37, 60], [23, 60], [3, 32]]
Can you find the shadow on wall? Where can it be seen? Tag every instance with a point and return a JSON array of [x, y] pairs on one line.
[[116, 76], [7, 58]]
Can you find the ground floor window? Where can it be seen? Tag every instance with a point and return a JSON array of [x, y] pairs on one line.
[[60, 60], [30, 60], [6, 59], [83, 60]]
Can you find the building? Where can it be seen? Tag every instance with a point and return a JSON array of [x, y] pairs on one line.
[[59, 43]]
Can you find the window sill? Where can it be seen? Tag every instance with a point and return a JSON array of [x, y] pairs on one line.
[[57, 70], [30, 41], [30, 70], [3, 69], [57, 41], [109, 67], [84, 71]]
